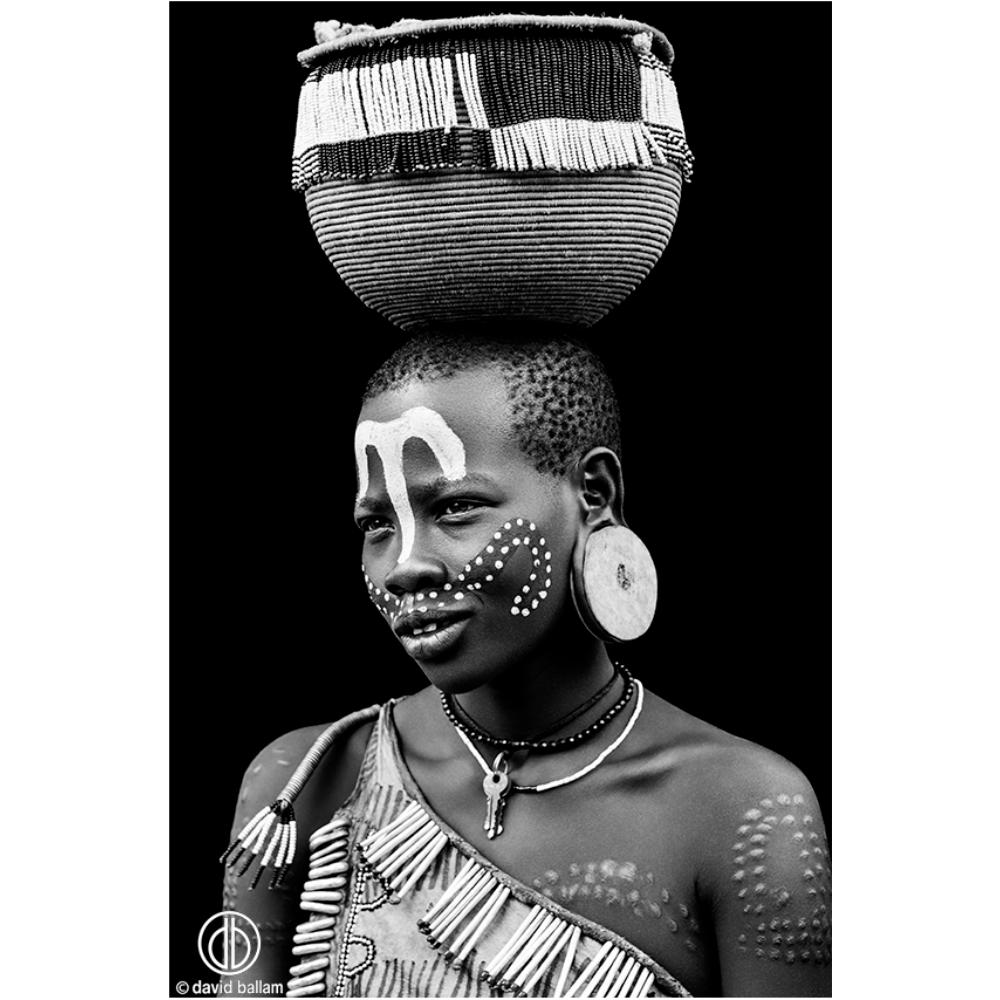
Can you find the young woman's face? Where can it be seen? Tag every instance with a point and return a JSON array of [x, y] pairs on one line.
[[467, 547]]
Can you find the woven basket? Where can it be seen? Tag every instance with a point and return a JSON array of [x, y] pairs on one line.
[[485, 169]]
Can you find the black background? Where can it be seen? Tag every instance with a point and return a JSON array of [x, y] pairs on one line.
[[720, 359]]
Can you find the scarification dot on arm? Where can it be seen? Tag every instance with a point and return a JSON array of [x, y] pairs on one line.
[[807, 889]]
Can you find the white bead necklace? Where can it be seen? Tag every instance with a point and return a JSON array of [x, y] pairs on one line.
[[576, 775]]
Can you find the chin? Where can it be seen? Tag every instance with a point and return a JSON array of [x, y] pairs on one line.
[[467, 667], [454, 676]]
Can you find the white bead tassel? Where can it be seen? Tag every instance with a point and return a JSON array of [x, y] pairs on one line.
[[540, 955], [589, 970], [567, 964], [458, 901], [322, 896], [441, 932], [553, 954], [499, 961], [401, 853], [478, 915], [405, 816], [484, 923], [607, 978], [629, 971], [468, 869], [421, 863], [587, 989], [527, 950], [276, 839]]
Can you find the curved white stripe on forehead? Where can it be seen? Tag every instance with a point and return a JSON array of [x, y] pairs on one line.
[[388, 439]]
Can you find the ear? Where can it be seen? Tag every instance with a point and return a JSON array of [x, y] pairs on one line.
[[600, 489]]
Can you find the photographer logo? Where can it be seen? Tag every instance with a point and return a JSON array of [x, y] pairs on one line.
[[229, 943]]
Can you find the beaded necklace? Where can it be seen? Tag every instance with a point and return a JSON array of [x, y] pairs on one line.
[[536, 744], [497, 784]]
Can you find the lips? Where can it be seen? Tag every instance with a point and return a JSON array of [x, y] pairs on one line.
[[426, 635]]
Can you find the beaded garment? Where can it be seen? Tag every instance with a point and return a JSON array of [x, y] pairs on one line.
[[399, 905]]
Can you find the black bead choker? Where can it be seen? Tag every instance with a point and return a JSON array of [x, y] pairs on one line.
[[541, 745], [560, 723]]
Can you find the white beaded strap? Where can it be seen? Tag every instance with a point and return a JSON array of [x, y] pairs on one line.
[[326, 739]]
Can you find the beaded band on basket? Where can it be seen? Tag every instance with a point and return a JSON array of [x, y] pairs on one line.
[[571, 102]]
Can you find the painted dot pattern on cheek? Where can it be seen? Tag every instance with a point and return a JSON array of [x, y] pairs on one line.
[[389, 604], [484, 568]]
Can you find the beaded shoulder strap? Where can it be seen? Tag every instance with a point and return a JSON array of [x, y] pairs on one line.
[[278, 819]]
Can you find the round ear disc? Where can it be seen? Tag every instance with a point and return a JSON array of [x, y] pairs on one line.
[[617, 593]]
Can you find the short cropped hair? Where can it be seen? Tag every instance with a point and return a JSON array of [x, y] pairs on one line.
[[562, 401]]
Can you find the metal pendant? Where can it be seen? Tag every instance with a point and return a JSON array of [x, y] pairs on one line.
[[496, 785]]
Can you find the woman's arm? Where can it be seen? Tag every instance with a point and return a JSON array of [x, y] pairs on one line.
[[766, 875]]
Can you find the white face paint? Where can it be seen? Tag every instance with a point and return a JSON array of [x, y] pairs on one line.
[[388, 439]]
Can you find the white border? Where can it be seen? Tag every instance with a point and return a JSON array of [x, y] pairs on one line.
[[916, 543], [916, 496], [84, 499]]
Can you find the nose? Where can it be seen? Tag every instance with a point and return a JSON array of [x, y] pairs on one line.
[[421, 570]]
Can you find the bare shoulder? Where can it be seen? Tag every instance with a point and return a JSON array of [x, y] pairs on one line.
[[269, 771], [757, 848], [722, 782], [327, 788], [273, 765], [719, 765]]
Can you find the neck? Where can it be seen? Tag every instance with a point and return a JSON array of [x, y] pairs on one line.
[[543, 687]]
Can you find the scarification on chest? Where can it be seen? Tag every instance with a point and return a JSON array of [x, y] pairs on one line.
[[620, 885]]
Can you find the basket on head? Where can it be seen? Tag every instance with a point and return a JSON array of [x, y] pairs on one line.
[[491, 168]]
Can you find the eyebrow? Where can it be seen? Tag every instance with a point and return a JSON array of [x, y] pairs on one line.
[[428, 491]]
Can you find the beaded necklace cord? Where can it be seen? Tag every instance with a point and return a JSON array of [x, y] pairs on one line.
[[564, 720], [548, 746], [576, 775]]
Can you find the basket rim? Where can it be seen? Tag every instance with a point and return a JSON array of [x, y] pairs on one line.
[[363, 35]]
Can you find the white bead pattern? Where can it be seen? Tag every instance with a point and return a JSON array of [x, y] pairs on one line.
[[323, 897], [400, 853]]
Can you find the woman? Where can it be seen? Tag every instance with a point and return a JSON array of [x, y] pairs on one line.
[[534, 821]]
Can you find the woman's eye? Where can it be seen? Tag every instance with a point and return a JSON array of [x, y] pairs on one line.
[[370, 525], [460, 507]]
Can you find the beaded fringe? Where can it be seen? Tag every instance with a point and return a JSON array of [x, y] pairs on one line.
[[569, 144], [580, 104], [323, 899], [280, 851], [401, 852], [408, 95], [251, 839]]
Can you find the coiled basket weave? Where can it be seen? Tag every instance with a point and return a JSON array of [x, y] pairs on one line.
[[491, 168]]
